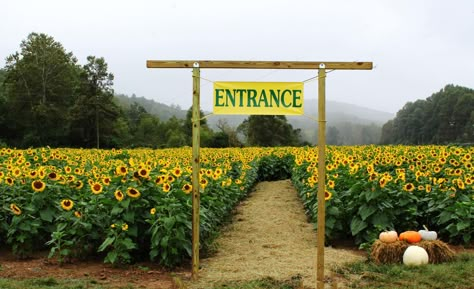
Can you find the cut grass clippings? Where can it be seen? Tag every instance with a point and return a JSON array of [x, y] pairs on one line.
[[456, 274]]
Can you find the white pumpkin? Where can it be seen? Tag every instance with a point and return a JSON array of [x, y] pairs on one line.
[[415, 255], [427, 234]]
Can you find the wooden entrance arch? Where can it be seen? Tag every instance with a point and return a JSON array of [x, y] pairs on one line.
[[321, 66]]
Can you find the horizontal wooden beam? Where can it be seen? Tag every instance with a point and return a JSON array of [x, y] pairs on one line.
[[257, 64]]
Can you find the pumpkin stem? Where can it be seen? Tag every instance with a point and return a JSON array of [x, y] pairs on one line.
[[426, 228]]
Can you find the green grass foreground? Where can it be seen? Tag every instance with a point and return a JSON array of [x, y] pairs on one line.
[[458, 274], [53, 283]]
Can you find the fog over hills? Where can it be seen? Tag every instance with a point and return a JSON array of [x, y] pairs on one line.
[[351, 123]]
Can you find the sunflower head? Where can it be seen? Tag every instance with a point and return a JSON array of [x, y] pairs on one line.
[[38, 186], [96, 188], [133, 193], [187, 188], [177, 172], [121, 170], [119, 195], [327, 195], [67, 204], [409, 187], [166, 187], [15, 209]]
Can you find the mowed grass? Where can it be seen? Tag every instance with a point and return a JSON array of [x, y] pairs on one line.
[[52, 283], [458, 274]]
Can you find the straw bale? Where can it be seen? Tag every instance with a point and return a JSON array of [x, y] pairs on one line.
[[390, 253], [438, 251]]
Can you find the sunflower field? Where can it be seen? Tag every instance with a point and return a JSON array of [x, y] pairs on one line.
[[129, 205]]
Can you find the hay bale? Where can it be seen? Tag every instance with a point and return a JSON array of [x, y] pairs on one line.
[[388, 253], [438, 251]]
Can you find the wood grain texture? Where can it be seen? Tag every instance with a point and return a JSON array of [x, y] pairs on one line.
[[258, 64]]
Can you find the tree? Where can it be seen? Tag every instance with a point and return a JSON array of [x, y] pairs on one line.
[[269, 130], [175, 137], [40, 85], [94, 112], [3, 104], [205, 132], [332, 136], [226, 131], [444, 117]]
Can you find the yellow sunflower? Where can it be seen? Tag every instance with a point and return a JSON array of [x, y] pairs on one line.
[[9, 181], [38, 186], [187, 188], [160, 180], [77, 214], [53, 176], [177, 172], [67, 204], [152, 211], [428, 188], [144, 173], [78, 185], [166, 187], [121, 170], [133, 193], [96, 188], [15, 209], [203, 182], [408, 187], [119, 195], [327, 195]]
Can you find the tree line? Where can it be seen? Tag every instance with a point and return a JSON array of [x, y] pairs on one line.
[[48, 99], [445, 117]]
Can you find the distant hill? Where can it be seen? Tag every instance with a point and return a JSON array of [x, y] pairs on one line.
[[349, 119], [336, 112], [163, 111]]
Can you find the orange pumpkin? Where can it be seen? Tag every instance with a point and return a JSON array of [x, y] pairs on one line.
[[410, 237]]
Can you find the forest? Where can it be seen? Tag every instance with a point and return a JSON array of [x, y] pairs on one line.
[[47, 98], [446, 117]]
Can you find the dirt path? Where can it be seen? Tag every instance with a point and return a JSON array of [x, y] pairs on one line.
[[269, 237]]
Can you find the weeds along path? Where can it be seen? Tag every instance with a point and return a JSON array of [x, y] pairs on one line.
[[268, 237]]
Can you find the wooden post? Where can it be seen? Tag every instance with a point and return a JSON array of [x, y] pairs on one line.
[[321, 175], [196, 119]]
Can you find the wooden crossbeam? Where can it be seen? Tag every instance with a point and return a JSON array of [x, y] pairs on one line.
[[258, 64]]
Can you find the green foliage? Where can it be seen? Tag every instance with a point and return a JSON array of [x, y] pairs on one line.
[[272, 167], [40, 85], [94, 113], [445, 117], [401, 193], [269, 130]]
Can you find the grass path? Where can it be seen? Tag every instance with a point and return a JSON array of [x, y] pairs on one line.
[[268, 237]]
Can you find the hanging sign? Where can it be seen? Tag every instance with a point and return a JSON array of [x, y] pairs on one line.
[[269, 98]]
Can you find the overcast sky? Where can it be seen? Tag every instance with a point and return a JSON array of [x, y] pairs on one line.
[[417, 46]]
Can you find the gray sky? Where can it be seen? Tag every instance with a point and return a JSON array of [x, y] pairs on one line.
[[417, 46]]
